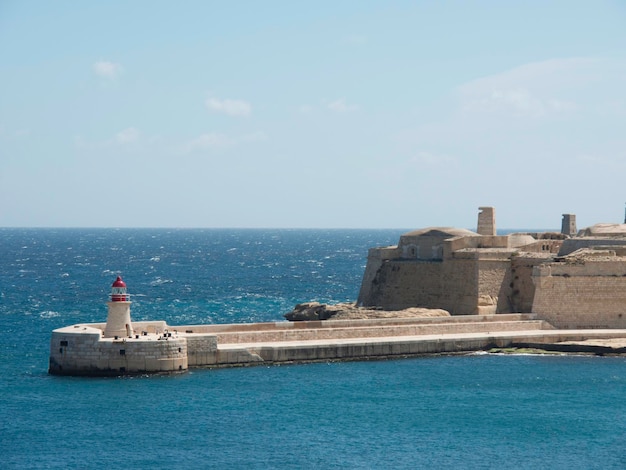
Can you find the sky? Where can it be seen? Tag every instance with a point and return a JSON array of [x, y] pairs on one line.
[[324, 114]]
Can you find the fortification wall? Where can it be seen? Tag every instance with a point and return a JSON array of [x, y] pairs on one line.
[[401, 284], [591, 294], [423, 247], [431, 284], [494, 291], [520, 280], [572, 244], [467, 281], [460, 287], [375, 259]]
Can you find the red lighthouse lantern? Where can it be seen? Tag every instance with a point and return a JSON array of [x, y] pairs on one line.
[[118, 291]]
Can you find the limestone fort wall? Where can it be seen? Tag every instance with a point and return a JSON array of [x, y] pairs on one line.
[[483, 273], [400, 284], [591, 294], [520, 281], [494, 291]]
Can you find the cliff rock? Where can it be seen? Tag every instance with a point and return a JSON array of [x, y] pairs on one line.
[[311, 311]]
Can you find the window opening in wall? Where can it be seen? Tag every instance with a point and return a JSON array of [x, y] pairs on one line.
[[122, 352], [64, 343]]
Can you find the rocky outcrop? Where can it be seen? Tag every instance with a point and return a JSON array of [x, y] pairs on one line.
[[310, 311]]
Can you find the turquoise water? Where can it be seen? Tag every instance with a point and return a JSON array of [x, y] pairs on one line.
[[478, 411]]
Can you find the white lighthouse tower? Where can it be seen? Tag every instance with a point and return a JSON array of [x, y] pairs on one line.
[[118, 320]]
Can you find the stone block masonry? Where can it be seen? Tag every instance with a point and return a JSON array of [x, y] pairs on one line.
[[83, 350], [585, 295], [486, 221]]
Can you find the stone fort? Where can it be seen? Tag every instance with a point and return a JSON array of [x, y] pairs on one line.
[[571, 279]]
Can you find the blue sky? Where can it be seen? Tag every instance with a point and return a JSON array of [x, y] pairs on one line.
[[334, 114]]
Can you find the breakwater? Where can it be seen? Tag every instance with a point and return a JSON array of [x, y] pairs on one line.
[[155, 346]]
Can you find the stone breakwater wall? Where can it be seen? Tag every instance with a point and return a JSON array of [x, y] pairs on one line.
[[157, 347]]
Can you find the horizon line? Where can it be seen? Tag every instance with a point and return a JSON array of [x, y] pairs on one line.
[[44, 227]]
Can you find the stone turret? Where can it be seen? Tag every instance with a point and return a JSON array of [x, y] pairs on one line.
[[486, 221], [568, 225], [118, 321]]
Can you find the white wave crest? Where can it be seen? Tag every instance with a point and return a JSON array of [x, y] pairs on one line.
[[49, 314]]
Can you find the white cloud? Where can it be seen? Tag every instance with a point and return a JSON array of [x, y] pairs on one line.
[[106, 69], [531, 121], [214, 140], [127, 136], [124, 137], [206, 142], [341, 106], [516, 102], [539, 89], [239, 108]]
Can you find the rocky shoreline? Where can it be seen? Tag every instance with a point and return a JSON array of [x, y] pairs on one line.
[[596, 347], [313, 311]]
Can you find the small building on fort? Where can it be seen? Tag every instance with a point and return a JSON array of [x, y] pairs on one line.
[[572, 279]]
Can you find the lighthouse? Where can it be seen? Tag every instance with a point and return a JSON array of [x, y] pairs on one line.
[[118, 320]]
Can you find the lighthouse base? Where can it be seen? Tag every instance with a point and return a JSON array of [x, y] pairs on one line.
[[83, 350]]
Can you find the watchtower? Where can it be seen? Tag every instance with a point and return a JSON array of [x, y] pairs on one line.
[[486, 221], [568, 225]]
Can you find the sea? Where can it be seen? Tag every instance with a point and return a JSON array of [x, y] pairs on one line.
[[480, 411]]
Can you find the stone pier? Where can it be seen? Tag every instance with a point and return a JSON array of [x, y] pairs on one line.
[[156, 347]]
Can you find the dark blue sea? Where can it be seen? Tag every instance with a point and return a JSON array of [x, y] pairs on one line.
[[474, 411]]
